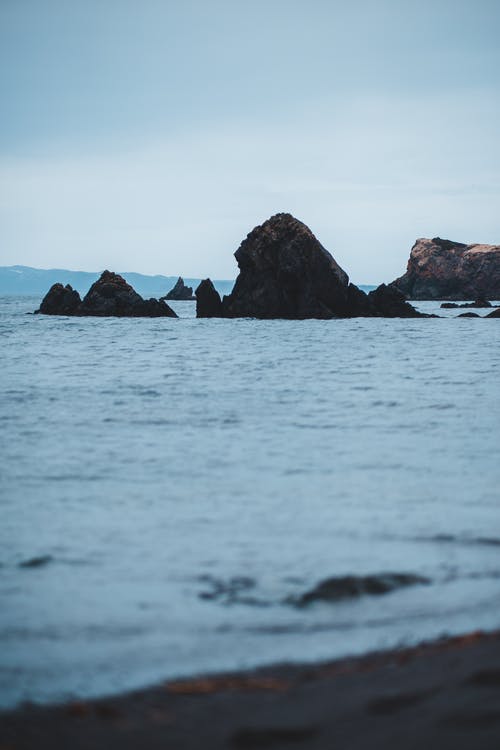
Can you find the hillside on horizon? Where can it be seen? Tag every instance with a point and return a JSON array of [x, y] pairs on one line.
[[28, 281]]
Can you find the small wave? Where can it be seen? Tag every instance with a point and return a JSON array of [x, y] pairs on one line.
[[231, 591], [349, 587]]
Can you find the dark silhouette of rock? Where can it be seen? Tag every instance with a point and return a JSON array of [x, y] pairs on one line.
[[442, 269], [494, 314], [60, 300], [208, 301], [180, 291], [110, 295], [286, 273], [468, 315], [480, 303], [388, 302], [347, 587]]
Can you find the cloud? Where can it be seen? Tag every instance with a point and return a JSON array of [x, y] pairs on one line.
[[368, 175]]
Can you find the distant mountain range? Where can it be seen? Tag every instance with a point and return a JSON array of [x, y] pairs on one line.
[[26, 281]]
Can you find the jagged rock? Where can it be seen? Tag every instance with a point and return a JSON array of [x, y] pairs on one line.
[[494, 314], [110, 295], [60, 300], [286, 273], [442, 269], [208, 301], [180, 291]]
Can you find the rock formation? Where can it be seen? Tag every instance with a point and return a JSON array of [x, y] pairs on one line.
[[494, 314], [60, 300], [208, 301], [286, 273], [180, 291], [110, 295], [441, 269]]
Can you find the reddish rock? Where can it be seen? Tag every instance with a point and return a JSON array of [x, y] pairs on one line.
[[441, 269]]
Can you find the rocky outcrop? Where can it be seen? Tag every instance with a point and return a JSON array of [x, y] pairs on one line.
[[286, 273], [387, 302], [208, 301], [180, 292], [60, 300], [441, 269], [110, 295]]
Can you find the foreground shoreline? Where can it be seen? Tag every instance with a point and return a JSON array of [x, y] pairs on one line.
[[440, 694]]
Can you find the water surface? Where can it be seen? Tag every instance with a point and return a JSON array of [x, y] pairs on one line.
[[148, 463]]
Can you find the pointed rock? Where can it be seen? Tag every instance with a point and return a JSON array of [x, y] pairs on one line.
[[112, 295], [286, 273], [208, 301], [180, 291]]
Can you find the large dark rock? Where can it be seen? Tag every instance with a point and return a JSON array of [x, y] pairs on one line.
[[441, 269], [180, 291], [208, 301], [110, 295], [286, 273], [60, 300], [494, 314]]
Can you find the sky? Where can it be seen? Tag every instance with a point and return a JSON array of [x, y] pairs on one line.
[[153, 135]]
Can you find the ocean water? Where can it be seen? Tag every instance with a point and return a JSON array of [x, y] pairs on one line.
[[168, 485]]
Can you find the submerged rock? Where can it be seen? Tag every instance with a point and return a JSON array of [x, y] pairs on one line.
[[180, 292], [36, 562], [347, 587], [479, 303], [60, 300], [442, 269], [468, 315], [285, 272], [494, 314], [110, 295], [208, 301]]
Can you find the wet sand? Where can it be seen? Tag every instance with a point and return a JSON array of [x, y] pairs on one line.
[[444, 694]]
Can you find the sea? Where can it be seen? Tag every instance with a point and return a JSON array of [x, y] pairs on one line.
[[172, 488]]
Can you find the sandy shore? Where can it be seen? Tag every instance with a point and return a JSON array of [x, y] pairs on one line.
[[441, 695]]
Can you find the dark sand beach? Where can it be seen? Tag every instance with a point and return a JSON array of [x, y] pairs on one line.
[[444, 694]]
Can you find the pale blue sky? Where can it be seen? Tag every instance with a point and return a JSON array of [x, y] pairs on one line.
[[152, 136]]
